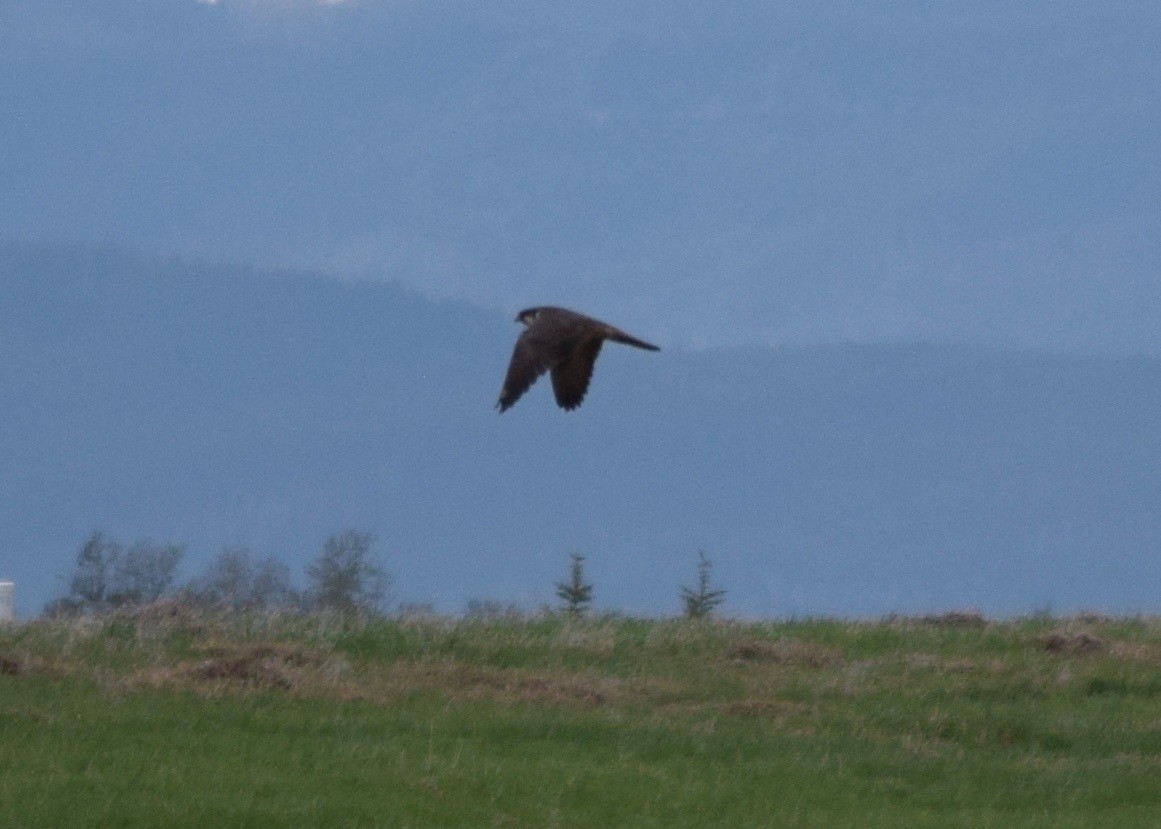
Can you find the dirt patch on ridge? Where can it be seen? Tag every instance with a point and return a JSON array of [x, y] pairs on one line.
[[266, 666], [305, 673], [459, 680], [784, 652], [1072, 643], [10, 665], [778, 711]]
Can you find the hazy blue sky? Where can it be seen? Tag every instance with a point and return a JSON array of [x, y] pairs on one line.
[[712, 172], [703, 174], [213, 407]]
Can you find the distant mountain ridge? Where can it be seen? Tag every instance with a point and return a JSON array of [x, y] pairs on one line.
[[750, 172], [214, 406]]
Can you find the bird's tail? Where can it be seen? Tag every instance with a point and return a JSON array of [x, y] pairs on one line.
[[618, 336]]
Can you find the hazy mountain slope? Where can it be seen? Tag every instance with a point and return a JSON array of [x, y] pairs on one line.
[[743, 172], [216, 406]]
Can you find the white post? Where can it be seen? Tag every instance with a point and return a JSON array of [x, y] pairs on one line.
[[7, 601]]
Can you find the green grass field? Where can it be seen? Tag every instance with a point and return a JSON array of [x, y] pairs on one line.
[[174, 718]]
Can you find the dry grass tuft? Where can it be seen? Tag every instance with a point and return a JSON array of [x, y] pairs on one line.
[[1093, 617], [591, 691], [305, 673], [292, 655], [262, 672], [265, 666], [759, 708], [595, 639], [1145, 652], [784, 652], [1069, 643], [463, 681], [956, 619], [10, 666], [164, 618]]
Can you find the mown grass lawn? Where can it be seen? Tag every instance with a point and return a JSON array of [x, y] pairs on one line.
[[173, 718]]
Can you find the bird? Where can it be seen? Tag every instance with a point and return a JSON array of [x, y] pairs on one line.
[[564, 343]]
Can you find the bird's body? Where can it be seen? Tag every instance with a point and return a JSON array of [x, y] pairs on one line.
[[561, 342]]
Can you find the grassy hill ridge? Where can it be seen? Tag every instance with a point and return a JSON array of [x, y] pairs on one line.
[[950, 720]]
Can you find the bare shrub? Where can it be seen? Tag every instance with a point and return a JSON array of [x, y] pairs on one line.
[[90, 582], [346, 579], [236, 581], [106, 575], [144, 573]]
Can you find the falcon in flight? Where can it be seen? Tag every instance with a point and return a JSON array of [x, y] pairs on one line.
[[561, 342]]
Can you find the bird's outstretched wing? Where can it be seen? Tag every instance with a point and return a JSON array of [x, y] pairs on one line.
[[570, 379], [528, 363]]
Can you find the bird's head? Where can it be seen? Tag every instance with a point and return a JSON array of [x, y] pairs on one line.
[[528, 315]]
